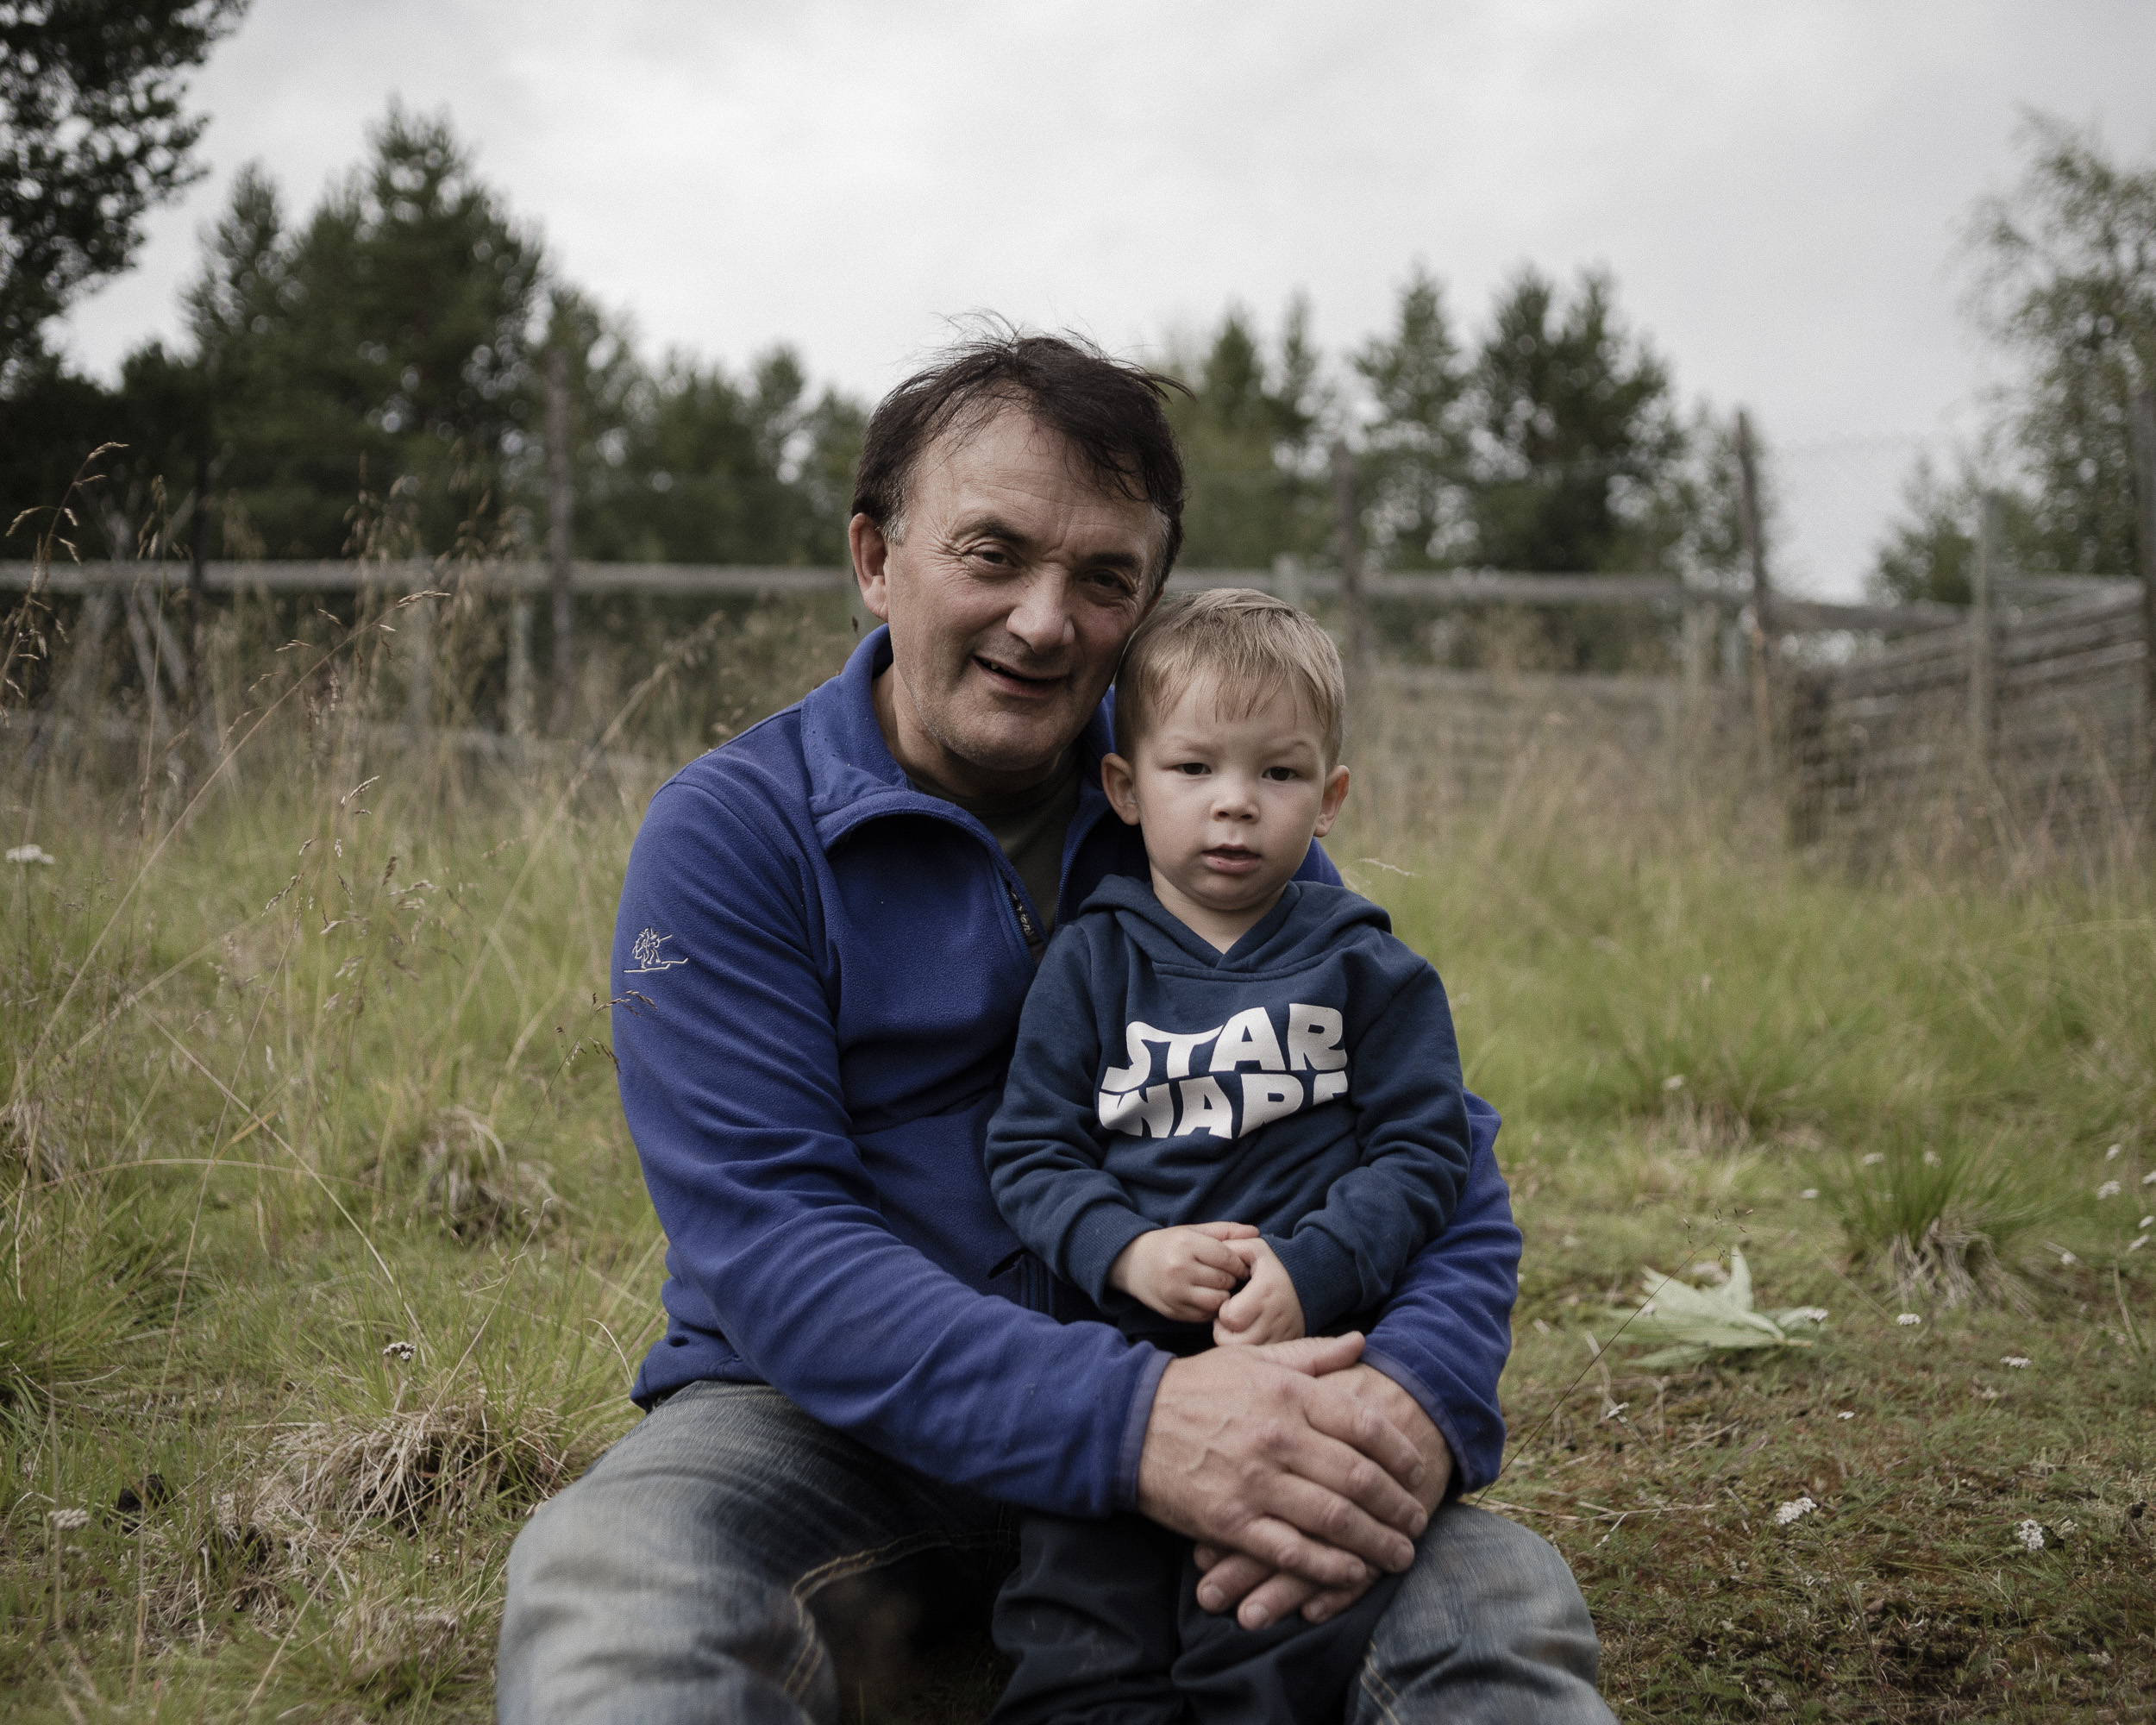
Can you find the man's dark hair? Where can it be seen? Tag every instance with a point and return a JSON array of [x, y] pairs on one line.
[[1109, 412]]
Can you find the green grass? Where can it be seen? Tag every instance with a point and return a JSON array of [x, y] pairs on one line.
[[318, 1207]]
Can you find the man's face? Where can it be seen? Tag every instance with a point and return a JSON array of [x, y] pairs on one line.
[[1016, 582]]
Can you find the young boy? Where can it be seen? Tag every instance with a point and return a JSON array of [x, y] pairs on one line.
[[1233, 1115]]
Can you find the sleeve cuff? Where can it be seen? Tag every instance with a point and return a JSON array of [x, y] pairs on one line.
[[1141, 1415], [1326, 1284], [1440, 1416], [1097, 1241]]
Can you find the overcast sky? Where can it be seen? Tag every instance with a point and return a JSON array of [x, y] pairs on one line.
[[1778, 189]]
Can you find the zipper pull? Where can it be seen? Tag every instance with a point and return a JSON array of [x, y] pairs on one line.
[[1025, 916]]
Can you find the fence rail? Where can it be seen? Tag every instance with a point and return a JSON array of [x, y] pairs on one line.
[[1461, 587], [2042, 692]]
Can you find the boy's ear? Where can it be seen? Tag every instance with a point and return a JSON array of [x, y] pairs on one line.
[[1336, 784], [1121, 784]]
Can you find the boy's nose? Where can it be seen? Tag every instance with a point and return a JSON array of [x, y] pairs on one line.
[[1234, 800]]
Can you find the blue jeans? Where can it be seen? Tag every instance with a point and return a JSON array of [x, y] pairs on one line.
[[712, 1566]]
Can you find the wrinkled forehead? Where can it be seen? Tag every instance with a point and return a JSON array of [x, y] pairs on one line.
[[999, 443]]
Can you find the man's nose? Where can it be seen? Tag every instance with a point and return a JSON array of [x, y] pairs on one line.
[[1041, 618]]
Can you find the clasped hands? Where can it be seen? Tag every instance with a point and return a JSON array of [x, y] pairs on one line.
[[1301, 1473], [1190, 1274]]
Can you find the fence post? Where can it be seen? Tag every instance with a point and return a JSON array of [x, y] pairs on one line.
[[1762, 600], [558, 539], [1347, 541], [1287, 572], [2143, 425], [1982, 704], [418, 625], [520, 665], [1695, 648]]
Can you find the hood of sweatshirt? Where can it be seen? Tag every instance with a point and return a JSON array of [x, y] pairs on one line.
[[1311, 919]]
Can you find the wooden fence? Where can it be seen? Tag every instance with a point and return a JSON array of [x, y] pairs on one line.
[[2052, 716], [2038, 713]]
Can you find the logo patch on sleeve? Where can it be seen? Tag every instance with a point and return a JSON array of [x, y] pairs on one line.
[[648, 956]]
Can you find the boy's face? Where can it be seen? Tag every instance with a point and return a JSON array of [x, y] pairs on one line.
[[1228, 807]]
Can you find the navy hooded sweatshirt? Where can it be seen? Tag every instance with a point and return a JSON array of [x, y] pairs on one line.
[[1305, 1081], [817, 972]]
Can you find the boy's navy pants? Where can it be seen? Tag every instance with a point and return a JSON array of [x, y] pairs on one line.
[[1104, 1622]]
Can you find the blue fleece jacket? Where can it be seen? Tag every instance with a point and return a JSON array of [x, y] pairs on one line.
[[817, 972], [1305, 1082]]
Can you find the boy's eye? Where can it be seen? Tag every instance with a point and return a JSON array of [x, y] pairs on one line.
[[1281, 773], [1190, 769]]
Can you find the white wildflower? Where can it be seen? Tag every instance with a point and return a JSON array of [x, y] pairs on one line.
[[1674, 1081], [2030, 1534], [2139, 1243], [68, 1521], [399, 1351], [2149, 1179], [1907, 1320], [1845, 1416], [2068, 1257], [1794, 1510], [1875, 1158], [2112, 1154], [2018, 1361], [1930, 1159], [1809, 1192], [1984, 1392], [2108, 1189], [31, 853]]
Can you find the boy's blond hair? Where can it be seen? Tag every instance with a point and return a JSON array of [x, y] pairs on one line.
[[1251, 645]]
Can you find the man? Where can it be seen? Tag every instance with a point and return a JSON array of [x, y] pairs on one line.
[[826, 931]]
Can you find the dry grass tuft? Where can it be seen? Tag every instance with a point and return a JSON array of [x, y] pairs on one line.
[[1953, 1262], [447, 1460], [393, 1649], [475, 1188], [28, 1141], [1939, 1221]]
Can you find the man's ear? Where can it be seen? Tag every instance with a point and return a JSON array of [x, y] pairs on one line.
[[1336, 784], [1121, 783], [872, 553]]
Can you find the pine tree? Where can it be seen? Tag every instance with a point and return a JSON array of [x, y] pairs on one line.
[[2068, 280], [1417, 446], [93, 134]]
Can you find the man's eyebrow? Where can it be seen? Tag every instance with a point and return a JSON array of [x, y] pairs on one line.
[[995, 527]]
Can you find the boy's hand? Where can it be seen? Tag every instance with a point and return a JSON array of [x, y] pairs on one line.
[[1267, 1310], [1184, 1273]]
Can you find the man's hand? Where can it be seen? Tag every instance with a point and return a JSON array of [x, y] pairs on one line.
[[1266, 1310], [1253, 1450], [1185, 1273], [1267, 1593]]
